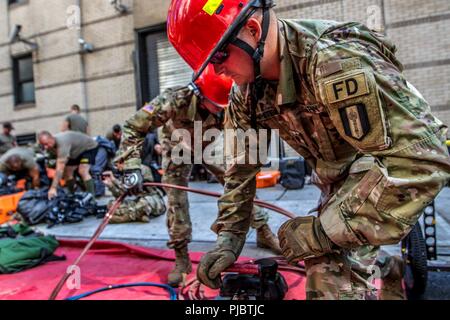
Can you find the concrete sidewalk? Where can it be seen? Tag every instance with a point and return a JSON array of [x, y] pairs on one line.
[[204, 211]]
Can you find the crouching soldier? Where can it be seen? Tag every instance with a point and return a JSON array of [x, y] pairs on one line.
[[21, 163], [338, 95], [74, 151], [146, 205]]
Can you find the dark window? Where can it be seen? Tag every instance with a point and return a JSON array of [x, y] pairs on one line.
[[23, 79], [16, 3], [26, 139], [160, 67]]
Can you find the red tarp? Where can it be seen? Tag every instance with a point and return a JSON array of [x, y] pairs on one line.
[[110, 263]]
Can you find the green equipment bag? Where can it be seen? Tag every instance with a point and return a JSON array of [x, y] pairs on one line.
[[21, 248]]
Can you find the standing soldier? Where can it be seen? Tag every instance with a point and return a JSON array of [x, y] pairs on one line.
[[178, 109], [115, 135], [75, 121], [337, 95], [7, 140], [151, 153]]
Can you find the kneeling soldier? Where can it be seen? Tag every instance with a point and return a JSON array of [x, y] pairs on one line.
[[148, 204]]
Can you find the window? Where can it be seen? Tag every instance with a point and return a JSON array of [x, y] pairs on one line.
[[26, 140], [24, 91], [160, 66], [11, 2]]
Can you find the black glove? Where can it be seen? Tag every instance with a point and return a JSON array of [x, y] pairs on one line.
[[133, 181]]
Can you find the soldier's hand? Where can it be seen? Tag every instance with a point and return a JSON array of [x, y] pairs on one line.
[[213, 263], [107, 178], [304, 238], [133, 181], [158, 149], [52, 193]]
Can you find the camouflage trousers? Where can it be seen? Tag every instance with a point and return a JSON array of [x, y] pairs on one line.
[[347, 275], [140, 209], [178, 217]]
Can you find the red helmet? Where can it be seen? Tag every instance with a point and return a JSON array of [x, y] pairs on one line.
[[199, 28], [214, 88]]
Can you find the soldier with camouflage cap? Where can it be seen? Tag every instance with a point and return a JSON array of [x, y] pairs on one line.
[[178, 108], [338, 95], [150, 203]]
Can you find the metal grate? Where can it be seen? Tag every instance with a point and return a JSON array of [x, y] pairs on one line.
[[173, 71]]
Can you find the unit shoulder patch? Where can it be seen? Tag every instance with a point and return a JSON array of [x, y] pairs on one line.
[[355, 120], [354, 104]]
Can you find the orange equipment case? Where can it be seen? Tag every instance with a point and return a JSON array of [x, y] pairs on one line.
[[267, 179], [8, 206]]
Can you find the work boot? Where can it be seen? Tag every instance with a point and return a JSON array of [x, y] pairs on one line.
[[392, 282], [183, 267], [267, 240], [71, 185], [90, 187]]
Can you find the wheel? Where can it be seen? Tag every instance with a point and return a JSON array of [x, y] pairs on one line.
[[415, 256]]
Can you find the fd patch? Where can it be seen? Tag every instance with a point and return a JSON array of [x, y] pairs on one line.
[[355, 105], [355, 120], [347, 87]]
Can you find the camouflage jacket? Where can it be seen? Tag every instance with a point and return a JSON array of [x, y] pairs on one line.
[[343, 103], [176, 108]]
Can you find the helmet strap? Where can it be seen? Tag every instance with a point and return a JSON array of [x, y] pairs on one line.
[[198, 93], [215, 104], [257, 54]]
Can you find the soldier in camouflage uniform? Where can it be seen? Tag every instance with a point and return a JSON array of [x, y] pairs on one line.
[[338, 95], [178, 174], [141, 208], [178, 109]]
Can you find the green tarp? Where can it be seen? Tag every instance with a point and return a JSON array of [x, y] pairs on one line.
[[21, 248]]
